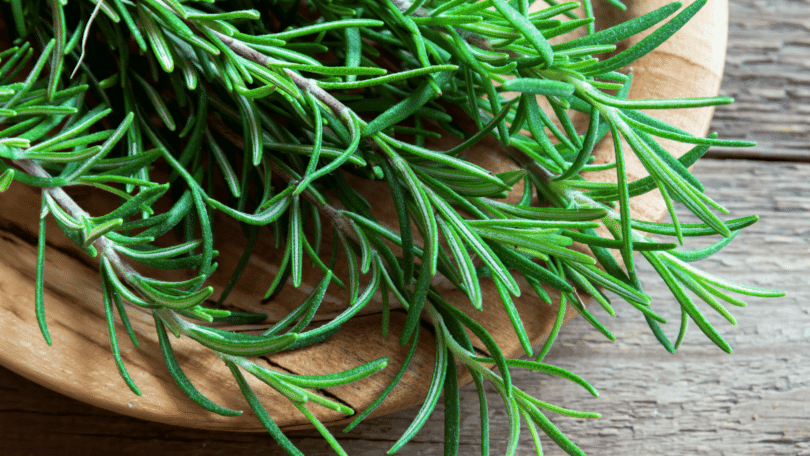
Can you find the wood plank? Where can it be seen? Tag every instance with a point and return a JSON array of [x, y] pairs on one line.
[[700, 401], [768, 73]]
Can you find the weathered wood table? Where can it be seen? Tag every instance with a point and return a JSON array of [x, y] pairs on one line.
[[699, 401]]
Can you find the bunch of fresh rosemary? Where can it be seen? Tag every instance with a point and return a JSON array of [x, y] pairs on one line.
[[265, 111]]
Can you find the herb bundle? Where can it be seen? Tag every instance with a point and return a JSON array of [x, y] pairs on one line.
[[269, 112]]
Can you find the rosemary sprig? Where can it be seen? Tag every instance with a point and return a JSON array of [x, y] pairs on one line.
[[307, 99]]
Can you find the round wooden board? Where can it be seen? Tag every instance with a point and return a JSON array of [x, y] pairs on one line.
[[80, 365]]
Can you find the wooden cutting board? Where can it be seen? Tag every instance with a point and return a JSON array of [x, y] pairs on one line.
[[80, 365]]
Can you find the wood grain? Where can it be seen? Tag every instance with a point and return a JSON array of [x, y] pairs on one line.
[[768, 73]]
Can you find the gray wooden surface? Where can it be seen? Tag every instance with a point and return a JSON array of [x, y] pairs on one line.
[[700, 401]]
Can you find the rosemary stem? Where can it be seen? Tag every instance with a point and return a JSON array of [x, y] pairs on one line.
[[305, 84], [103, 244]]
